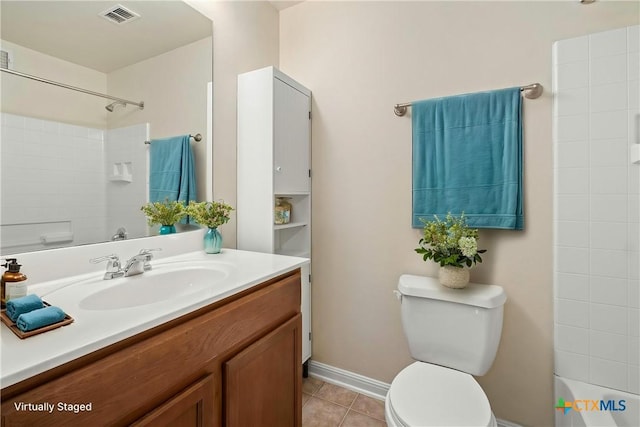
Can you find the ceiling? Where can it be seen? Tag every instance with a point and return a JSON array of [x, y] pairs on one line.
[[282, 4], [74, 31]]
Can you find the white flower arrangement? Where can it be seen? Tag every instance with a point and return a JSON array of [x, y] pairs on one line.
[[450, 242]]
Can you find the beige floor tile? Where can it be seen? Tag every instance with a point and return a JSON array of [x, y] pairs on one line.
[[320, 413], [336, 394], [369, 406], [305, 398], [356, 419], [311, 385]]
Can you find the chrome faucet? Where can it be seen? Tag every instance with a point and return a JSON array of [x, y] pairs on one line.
[[137, 264], [121, 234], [113, 266]]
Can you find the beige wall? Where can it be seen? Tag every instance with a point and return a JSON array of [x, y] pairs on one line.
[[359, 59], [173, 87], [245, 38], [34, 99]]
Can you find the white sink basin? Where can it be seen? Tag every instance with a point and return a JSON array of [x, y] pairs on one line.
[[153, 286]]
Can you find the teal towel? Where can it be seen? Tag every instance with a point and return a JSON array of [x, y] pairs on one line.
[[17, 306], [38, 318], [172, 173], [467, 157]]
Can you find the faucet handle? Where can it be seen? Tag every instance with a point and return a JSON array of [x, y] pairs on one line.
[[113, 261], [148, 251], [147, 257], [113, 265]]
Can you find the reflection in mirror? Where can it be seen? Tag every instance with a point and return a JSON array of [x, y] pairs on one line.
[[75, 166]]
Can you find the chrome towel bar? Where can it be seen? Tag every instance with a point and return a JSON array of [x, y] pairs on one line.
[[531, 91], [197, 137]]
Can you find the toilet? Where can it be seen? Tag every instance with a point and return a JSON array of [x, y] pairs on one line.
[[453, 334]]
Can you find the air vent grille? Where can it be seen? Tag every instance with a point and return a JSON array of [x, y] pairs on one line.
[[5, 59], [119, 14]]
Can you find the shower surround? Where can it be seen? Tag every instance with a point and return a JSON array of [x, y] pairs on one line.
[[55, 180], [596, 234]]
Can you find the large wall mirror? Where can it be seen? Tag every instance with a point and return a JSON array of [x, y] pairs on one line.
[[72, 171]]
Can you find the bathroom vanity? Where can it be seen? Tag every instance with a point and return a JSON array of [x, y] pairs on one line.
[[224, 357]]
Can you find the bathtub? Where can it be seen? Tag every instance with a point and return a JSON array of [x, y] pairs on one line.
[[582, 413]]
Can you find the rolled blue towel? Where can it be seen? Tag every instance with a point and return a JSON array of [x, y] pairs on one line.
[[18, 306], [38, 318]]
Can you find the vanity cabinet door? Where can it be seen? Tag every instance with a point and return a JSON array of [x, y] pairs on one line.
[[192, 407], [263, 383]]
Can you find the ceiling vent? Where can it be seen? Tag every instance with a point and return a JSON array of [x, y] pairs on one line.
[[119, 14], [6, 61]]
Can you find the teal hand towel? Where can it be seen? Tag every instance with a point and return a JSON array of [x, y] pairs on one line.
[[38, 318], [172, 171], [467, 157], [18, 306]]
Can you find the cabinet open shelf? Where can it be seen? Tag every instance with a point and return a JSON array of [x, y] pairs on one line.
[[293, 194], [289, 225]]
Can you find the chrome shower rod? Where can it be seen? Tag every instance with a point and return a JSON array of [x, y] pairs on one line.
[[79, 89]]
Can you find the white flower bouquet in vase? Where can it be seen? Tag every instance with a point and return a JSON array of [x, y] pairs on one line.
[[453, 245]]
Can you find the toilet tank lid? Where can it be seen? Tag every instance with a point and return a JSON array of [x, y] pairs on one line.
[[487, 296]]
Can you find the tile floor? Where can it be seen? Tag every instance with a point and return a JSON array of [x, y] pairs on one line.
[[327, 405]]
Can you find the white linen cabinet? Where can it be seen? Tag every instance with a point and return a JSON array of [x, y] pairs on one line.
[[274, 160]]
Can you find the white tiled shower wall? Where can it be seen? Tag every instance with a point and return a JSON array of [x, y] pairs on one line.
[[124, 199], [596, 208], [54, 178]]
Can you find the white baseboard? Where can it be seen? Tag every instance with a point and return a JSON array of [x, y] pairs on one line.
[[350, 380], [363, 385], [505, 423]]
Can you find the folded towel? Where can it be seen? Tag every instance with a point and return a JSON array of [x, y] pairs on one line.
[[467, 157], [172, 170], [38, 318], [18, 306]]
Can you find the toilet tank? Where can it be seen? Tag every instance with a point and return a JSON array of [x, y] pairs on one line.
[[456, 328]]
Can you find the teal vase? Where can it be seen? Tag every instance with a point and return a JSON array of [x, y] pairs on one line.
[[167, 229], [212, 241]]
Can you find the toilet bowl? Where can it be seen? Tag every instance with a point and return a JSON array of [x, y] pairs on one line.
[[424, 395]]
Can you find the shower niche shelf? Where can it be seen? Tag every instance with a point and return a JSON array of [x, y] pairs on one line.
[[121, 172]]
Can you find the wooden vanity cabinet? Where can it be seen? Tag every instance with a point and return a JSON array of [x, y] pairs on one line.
[[191, 407], [234, 363], [260, 382]]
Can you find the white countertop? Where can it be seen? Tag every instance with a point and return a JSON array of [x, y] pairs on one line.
[[96, 329]]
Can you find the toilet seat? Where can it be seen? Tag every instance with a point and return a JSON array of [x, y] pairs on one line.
[[425, 395]]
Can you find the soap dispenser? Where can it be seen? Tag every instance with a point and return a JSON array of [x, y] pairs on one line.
[[13, 283]]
